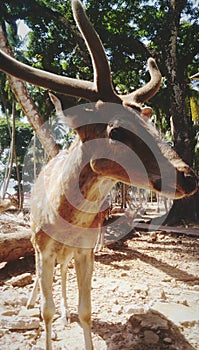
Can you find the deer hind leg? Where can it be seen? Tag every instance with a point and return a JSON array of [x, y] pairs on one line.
[[84, 268], [100, 241], [33, 296], [47, 264], [100, 238], [35, 290]]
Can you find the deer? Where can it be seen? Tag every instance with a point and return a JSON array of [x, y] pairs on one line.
[[70, 190], [6, 203]]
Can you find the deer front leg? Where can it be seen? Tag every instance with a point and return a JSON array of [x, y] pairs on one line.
[[65, 312], [84, 259], [47, 303]]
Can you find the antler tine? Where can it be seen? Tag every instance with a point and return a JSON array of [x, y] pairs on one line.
[[146, 92], [102, 73], [64, 85]]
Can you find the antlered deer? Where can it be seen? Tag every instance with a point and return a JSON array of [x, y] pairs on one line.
[[70, 190], [6, 203]]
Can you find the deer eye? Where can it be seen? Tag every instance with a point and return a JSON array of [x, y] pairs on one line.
[[116, 134], [110, 124]]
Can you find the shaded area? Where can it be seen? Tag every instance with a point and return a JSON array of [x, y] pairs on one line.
[[125, 253], [148, 331], [16, 267]]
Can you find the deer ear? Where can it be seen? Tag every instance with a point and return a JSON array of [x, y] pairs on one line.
[[78, 117], [146, 112], [67, 121]]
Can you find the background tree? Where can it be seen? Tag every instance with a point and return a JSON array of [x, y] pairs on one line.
[[23, 135], [131, 32]]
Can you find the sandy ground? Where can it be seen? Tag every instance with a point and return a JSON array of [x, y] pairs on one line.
[[145, 296]]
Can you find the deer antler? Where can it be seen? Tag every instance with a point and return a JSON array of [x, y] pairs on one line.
[[64, 85], [147, 91], [102, 73], [101, 88]]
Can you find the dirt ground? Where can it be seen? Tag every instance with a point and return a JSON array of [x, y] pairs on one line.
[[145, 296]]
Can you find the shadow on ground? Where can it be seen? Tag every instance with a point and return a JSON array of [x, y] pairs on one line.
[[147, 331]]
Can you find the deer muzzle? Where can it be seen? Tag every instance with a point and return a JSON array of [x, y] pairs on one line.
[[186, 184]]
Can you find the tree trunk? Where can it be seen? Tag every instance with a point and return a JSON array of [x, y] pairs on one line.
[[15, 245], [28, 106], [12, 150], [185, 210]]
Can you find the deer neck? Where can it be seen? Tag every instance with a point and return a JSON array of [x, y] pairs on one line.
[[84, 193], [71, 198]]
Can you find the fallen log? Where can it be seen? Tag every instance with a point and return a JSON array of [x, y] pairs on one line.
[[15, 245], [188, 231]]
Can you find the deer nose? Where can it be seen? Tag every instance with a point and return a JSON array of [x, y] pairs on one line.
[[187, 182], [118, 133], [115, 134]]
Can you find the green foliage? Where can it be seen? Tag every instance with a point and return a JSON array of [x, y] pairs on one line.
[[131, 31], [194, 104], [4, 135], [23, 137]]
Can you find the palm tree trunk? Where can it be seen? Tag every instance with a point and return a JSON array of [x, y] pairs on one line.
[[28, 106]]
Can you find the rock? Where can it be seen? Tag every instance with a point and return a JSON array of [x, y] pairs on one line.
[[136, 309], [3, 332], [14, 323], [185, 302], [9, 313], [152, 237], [150, 337], [178, 313], [133, 325], [152, 320], [124, 274], [167, 340], [24, 312], [15, 300], [196, 287], [163, 295], [116, 337], [22, 280]]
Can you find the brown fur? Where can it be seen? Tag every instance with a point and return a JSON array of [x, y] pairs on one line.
[[6, 203]]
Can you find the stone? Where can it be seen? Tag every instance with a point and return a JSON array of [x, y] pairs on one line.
[[24, 312], [14, 323], [177, 313], [22, 280], [136, 309], [167, 340], [153, 321], [150, 337], [9, 313]]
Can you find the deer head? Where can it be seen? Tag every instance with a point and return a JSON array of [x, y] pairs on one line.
[[13, 200], [123, 120], [8, 202]]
